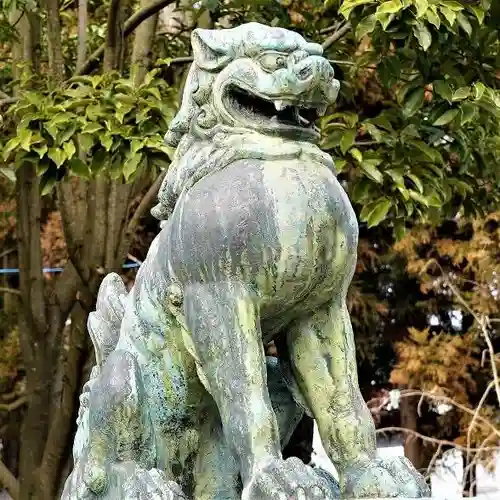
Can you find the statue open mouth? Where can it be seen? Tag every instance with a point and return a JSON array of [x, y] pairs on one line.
[[284, 116]]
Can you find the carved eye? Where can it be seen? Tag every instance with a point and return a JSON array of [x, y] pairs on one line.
[[272, 61]]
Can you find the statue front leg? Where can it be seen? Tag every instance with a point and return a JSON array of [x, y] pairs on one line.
[[224, 324], [323, 359]]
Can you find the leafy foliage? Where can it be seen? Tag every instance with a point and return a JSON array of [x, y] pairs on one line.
[[94, 124], [423, 145]]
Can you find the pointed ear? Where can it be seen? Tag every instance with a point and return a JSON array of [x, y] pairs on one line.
[[211, 48]]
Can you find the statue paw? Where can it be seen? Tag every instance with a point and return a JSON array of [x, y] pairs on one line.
[[288, 480], [393, 477], [153, 485]]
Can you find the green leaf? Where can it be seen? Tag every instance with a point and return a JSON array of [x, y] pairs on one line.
[[464, 23], [85, 141], [390, 7], [422, 34], [443, 89], [372, 171], [107, 142], [468, 112], [10, 146], [57, 156], [399, 229], [446, 117], [154, 92], [67, 133], [478, 89], [418, 197], [396, 176], [461, 94], [384, 20], [91, 128], [422, 6], [25, 138], [347, 140], [69, 149], [365, 26], [136, 145], [79, 167], [61, 118], [348, 6], [8, 173], [414, 102], [449, 15], [340, 165], [432, 16], [48, 185], [379, 212], [428, 151], [452, 5], [416, 181], [478, 12], [356, 154], [40, 149], [362, 190], [98, 160], [434, 200], [130, 165]]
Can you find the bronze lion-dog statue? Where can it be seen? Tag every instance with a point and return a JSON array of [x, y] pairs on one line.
[[258, 243]]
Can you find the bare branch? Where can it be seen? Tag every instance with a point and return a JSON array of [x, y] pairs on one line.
[[15, 405], [442, 442], [481, 321], [144, 205], [13, 291], [131, 24], [476, 414], [337, 35], [9, 482]]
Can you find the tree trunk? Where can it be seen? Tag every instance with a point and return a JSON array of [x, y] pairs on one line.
[[143, 45], [413, 445]]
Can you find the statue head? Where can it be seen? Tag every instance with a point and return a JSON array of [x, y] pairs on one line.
[[255, 77]]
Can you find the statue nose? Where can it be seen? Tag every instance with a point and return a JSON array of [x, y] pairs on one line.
[[305, 71], [312, 66]]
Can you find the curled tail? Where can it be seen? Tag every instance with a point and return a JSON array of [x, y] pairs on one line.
[[104, 328], [105, 322]]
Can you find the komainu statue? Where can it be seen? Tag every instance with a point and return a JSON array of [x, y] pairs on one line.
[[258, 243]]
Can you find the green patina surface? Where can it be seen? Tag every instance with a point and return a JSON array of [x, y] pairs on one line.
[[258, 243]]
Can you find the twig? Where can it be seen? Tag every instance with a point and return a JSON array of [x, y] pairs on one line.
[[130, 25], [6, 289], [446, 399], [336, 35], [434, 459], [145, 203], [478, 454], [476, 413], [482, 322], [442, 442]]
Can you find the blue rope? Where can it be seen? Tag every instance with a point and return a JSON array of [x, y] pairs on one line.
[[14, 270]]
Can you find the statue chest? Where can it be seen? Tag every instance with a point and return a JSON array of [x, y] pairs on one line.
[[274, 224]]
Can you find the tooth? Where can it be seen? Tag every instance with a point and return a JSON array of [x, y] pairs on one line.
[[322, 110], [279, 105]]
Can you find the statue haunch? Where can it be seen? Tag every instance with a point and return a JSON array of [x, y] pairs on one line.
[[258, 242]]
